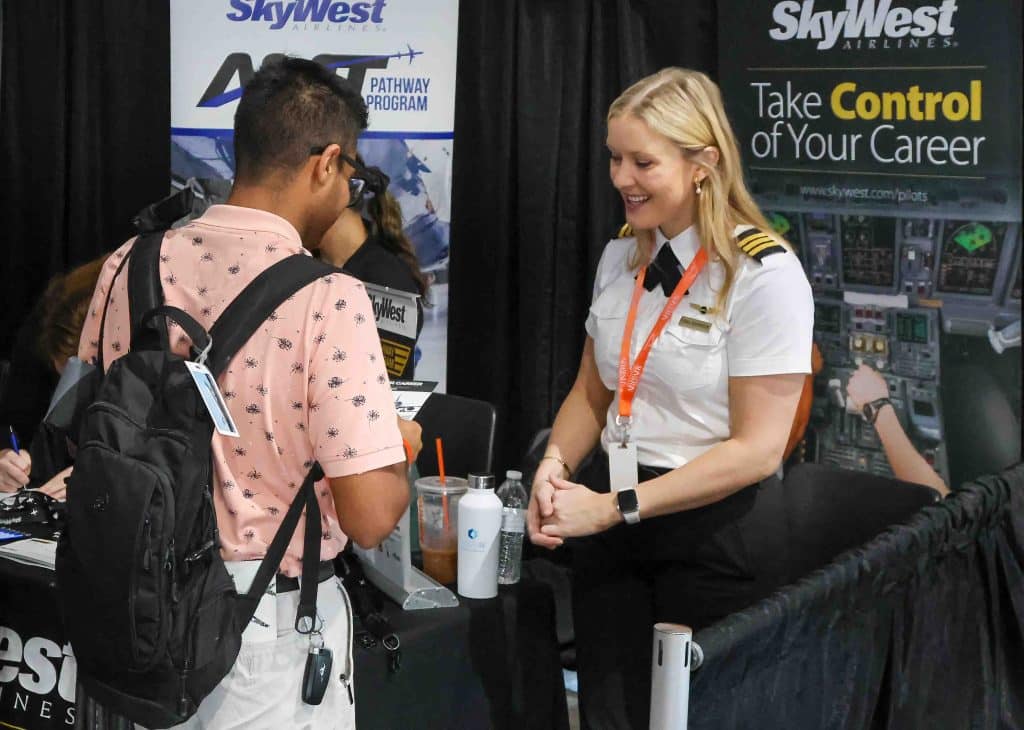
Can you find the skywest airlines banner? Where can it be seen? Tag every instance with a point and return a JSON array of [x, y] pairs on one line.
[[885, 103], [882, 139], [399, 53]]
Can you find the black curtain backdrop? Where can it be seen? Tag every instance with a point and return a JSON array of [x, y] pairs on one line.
[[84, 135], [918, 628], [84, 144], [532, 206]]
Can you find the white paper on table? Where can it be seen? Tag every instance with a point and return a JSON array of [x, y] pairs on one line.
[[410, 395], [33, 551]]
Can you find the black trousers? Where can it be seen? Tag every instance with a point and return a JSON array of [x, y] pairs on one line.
[[690, 568]]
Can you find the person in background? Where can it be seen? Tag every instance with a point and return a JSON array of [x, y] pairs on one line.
[[706, 417], [867, 386], [309, 386], [15, 467], [368, 242], [48, 338]]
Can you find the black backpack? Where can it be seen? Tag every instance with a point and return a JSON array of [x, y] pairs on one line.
[[148, 605]]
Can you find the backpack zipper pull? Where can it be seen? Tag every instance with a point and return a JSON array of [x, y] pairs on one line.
[[148, 554], [184, 704], [169, 566]]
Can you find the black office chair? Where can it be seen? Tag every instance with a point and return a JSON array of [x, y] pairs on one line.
[[466, 427], [831, 510], [973, 396]]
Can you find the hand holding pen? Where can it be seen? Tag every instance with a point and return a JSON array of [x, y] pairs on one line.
[[15, 466]]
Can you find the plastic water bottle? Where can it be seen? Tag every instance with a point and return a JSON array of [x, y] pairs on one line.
[[513, 525], [479, 526]]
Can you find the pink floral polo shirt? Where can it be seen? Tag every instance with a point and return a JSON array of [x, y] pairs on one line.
[[309, 385]]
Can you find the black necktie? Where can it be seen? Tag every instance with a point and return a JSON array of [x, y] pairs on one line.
[[664, 270]]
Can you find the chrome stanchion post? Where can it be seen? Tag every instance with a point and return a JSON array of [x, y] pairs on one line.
[[675, 655]]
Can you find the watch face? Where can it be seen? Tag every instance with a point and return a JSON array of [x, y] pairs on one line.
[[628, 501]]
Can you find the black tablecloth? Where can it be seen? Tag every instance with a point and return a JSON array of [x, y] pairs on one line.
[[37, 670], [485, 664]]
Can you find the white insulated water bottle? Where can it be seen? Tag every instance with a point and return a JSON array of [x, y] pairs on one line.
[[479, 537]]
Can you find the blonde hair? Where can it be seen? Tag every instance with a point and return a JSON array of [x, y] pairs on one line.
[[685, 107]]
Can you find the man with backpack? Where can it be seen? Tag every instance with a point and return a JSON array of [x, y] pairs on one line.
[[308, 387]]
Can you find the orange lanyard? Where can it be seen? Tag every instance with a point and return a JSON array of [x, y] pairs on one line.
[[629, 376]]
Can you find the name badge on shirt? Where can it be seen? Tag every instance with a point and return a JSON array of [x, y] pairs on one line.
[[622, 465], [212, 399], [695, 324]]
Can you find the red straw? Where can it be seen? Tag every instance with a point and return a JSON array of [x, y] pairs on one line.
[[440, 458], [440, 471]]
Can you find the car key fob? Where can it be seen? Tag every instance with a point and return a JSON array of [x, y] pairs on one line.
[[317, 674]]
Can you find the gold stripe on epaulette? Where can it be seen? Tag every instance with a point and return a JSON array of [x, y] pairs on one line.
[[758, 249], [751, 235], [626, 231], [755, 240]]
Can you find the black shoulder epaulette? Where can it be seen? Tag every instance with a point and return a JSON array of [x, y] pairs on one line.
[[757, 244], [625, 232]]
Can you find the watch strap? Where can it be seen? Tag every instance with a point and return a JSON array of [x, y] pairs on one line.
[[872, 409]]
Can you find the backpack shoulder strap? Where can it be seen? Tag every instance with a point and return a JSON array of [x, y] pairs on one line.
[[106, 306], [257, 301], [229, 333], [144, 288], [304, 497]]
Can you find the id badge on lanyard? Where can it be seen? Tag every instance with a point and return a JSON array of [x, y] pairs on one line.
[[623, 466], [622, 459]]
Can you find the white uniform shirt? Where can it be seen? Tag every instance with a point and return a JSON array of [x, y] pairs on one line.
[[681, 408]]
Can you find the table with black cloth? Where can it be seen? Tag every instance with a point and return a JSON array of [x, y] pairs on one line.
[[484, 664]]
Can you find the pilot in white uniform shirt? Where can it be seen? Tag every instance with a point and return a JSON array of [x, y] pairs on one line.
[[681, 408]]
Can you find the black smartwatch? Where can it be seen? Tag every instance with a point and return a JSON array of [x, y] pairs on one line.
[[870, 410], [629, 506]]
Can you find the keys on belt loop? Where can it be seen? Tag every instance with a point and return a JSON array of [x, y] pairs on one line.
[[317, 674]]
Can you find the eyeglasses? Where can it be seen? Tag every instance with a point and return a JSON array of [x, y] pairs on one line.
[[356, 183]]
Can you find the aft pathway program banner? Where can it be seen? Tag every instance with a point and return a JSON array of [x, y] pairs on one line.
[[400, 54], [878, 104]]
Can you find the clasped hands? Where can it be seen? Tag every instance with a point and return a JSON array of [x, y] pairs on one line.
[[560, 508]]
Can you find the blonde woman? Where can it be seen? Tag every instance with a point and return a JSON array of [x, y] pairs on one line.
[[698, 341]]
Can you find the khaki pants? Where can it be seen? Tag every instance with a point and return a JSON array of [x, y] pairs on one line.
[[264, 687]]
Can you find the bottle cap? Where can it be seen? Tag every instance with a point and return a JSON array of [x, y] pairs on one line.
[[513, 474], [481, 481]]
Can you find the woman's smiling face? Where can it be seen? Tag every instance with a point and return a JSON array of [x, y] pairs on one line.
[[652, 175]]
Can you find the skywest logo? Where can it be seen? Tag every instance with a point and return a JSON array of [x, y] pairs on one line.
[[282, 12], [30, 671], [385, 308], [870, 19]]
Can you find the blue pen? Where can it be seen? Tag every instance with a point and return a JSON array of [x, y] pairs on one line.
[[14, 441]]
